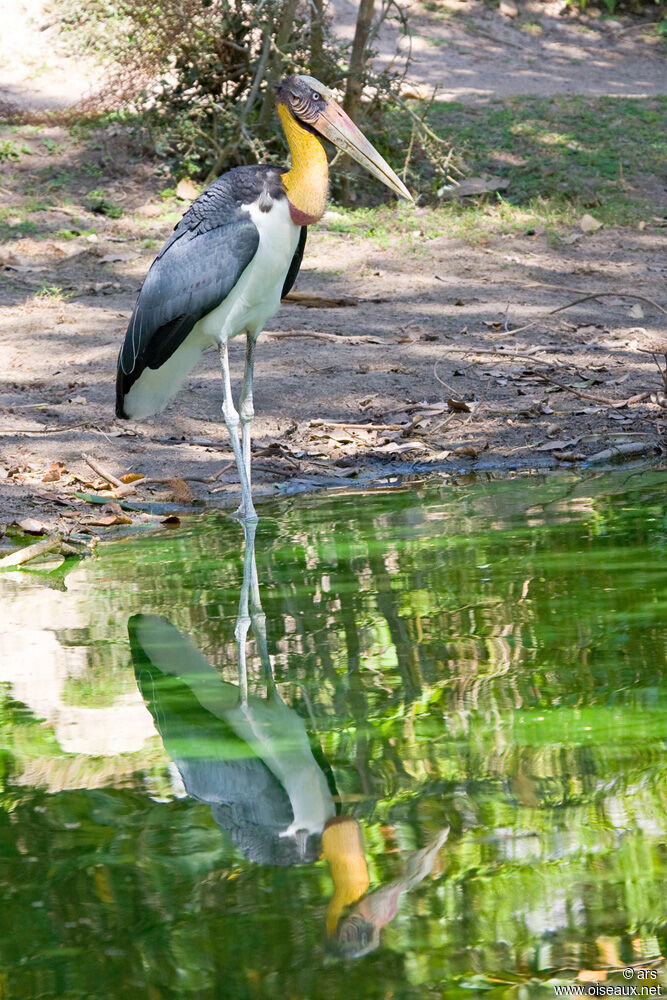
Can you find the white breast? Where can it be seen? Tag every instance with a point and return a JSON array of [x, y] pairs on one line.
[[256, 296]]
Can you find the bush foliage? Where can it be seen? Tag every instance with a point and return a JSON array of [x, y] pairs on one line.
[[197, 79]]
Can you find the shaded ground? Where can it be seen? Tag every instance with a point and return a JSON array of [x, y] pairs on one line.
[[432, 313], [418, 368]]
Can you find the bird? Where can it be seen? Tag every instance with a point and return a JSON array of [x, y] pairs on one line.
[[235, 253], [247, 757]]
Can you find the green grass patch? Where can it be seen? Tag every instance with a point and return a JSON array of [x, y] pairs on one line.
[[564, 155], [561, 156]]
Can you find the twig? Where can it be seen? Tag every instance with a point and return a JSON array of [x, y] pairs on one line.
[[101, 471], [361, 427], [320, 301], [586, 298], [43, 430], [442, 383], [616, 403], [31, 551], [360, 339]]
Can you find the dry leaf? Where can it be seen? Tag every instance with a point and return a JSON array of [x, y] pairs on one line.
[[472, 186], [53, 473], [558, 445], [32, 527], [458, 406], [132, 477], [185, 190], [107, 520], [635, 311], [589, 224]]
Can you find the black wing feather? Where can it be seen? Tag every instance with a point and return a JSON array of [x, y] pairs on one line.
[[296, 262]]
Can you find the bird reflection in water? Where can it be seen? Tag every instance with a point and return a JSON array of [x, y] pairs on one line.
[[249, 758]]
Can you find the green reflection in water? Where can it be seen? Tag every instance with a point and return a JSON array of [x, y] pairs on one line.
[[485, 658]]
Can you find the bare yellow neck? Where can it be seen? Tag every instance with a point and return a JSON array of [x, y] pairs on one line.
[[307, 181]]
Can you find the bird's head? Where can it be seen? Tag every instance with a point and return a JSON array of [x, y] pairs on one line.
[[311, 105]]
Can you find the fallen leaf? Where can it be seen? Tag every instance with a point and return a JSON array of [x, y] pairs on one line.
[[472, 186], [185, 190], [32, 527], [635, 311], [458, 406], [589, 224], [107, 520], [132, 477], [393, 448], [558, 445], [53, 473]]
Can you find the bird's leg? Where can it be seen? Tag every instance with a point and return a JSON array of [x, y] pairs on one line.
[[246, 407], [243, 619], [246, 510]]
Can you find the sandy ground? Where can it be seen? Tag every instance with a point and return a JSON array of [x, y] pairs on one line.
[[416, 369]]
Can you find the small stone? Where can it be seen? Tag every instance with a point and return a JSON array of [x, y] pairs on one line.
[[589, 224]]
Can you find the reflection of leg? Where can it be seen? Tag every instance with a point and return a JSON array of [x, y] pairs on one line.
[[246, 406], [232, 421], [259, 629], [243, 619]]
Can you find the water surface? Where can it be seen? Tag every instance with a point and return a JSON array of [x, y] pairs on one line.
[[457, 784]]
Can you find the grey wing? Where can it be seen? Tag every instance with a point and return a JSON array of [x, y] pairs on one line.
[[192, 275]]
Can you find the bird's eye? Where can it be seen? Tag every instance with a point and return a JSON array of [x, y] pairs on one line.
[[315, 96]]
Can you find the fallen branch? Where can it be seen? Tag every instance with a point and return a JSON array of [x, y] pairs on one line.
[[621, 451], [24, 555]]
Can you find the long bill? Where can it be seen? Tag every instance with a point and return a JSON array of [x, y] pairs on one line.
[[339, 128]]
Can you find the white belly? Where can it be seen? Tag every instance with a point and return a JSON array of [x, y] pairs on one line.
[[255, 297]]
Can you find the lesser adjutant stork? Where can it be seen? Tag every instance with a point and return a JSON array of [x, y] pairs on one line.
[[235, 253]]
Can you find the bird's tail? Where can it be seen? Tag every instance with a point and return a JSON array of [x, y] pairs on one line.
[[153, 382]]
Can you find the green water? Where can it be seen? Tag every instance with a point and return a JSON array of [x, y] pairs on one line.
[[471, 678]]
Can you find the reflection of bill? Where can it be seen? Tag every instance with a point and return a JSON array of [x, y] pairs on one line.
[[249, 758], [358, 932]]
